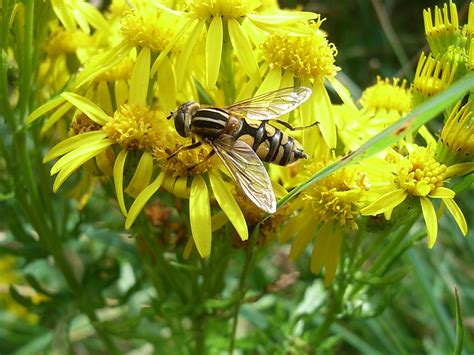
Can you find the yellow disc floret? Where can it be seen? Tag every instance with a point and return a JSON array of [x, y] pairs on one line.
[[308, 57], [134, 127], [145, 26], [421, 174]]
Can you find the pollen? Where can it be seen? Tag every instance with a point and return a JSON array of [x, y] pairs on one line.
[[226, 8], [145, 26], [62, 41], [432, 76], [387, 96], [456, 144], [308, 57], [335, 199], [188, 162], [420, 174], [134, 127]]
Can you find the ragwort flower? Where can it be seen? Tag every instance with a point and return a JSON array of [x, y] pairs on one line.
[[419, 176], [326, 212], [308, 61]]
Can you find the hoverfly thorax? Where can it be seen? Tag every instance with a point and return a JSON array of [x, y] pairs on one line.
[[183, 117]]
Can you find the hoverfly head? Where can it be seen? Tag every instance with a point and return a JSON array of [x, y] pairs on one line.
[[183, 117]]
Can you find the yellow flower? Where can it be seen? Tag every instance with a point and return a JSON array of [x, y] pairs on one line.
[[382, 104], [304, 60], [223, 22], [78, 13], [326, 212], [431, 77], [419, 176], [456, 142], [442, 28]]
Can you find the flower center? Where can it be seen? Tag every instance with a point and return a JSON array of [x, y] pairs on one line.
[[134, 127], [335, 198], [187, 162], [308, 57], [145, 26], [386, 96], [226, 8], [422, 174]]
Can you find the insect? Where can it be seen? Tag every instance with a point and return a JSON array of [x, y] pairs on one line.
[[242, 138]]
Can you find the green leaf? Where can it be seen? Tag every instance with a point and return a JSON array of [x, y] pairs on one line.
[[459, 325]]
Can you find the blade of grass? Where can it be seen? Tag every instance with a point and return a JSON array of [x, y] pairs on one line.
[[459, 325]]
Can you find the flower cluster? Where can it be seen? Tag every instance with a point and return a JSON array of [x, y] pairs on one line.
[[140, 59]]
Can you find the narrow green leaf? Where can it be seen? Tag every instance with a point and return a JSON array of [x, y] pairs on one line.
[[459, 325]]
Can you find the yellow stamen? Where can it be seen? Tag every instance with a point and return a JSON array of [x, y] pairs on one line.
[[134, 127], [308, 57]]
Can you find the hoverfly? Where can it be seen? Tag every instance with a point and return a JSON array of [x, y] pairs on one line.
[[242, 138]]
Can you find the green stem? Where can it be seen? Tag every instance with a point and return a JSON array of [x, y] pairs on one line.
[[241, 290]]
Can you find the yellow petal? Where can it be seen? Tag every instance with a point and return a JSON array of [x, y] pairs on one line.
[[121, 90], [323, 113], [141, 177], [422, 188], [188, 249], [104, 62], [243, 50], [74, 156], [290, 228], [55, 117], [285, 17], [429, 214], [213, 51], [457, 214], [442, 192], [103, 97], [167, 85], [182, 63], [180, 188], [344, 93], [385, 202], [140, 78], [48, 106], [94, 112], [93, 16], [64, 15], [459, 169], [142, 199], [200, 216], [304, 234], [331, 259], [227, 202], [320, 248], [105, 162], [271, 82], [75, 163], [118, 179], [74, 142], [218, 220]]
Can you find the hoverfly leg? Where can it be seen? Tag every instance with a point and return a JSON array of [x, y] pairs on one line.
[[291, 128], [209, 156], [184, 147]]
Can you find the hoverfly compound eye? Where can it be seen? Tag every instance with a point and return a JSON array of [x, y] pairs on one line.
[[179, 123]]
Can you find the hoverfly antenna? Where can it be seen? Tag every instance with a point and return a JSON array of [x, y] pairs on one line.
[[170, 115]]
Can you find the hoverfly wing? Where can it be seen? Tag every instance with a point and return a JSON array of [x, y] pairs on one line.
[[272, 104], [247, 170]]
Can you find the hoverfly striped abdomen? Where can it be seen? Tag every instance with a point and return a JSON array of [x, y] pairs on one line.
[[270, 143]]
